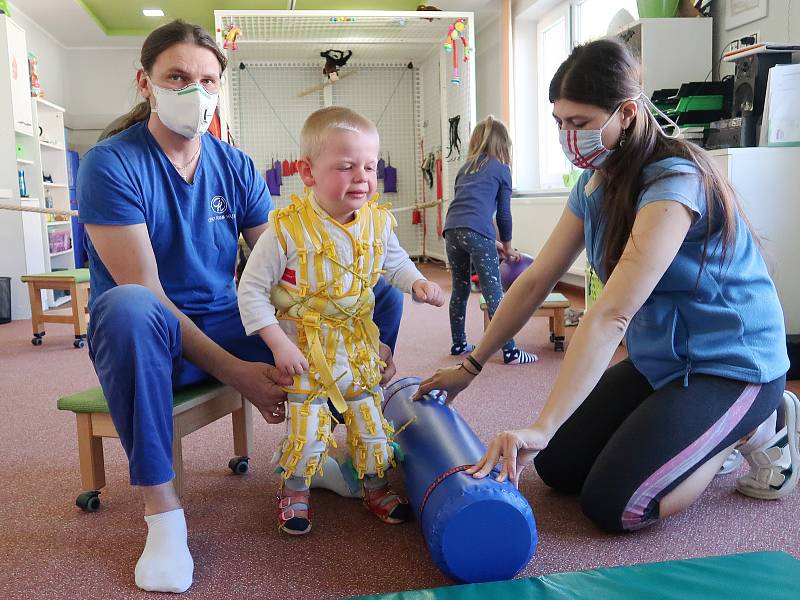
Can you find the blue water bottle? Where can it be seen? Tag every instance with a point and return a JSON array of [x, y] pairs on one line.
[[23, 189]]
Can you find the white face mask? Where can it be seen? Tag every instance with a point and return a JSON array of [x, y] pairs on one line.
[[187, 111], [584, 147]]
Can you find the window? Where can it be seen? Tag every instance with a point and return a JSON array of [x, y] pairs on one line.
[[557, 31], [553, 48], [591, 18]]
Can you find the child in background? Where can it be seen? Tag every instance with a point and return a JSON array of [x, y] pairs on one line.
[[307, 291], [482, 190]]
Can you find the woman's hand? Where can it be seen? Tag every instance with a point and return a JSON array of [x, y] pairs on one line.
[[515, 450], [261, 383], [451, 380]]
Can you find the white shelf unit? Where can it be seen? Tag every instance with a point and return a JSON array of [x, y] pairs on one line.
[[25, 235], [665, 62], [412, 107], [49, 119]]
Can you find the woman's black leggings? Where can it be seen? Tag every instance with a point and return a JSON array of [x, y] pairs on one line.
[[627, 445], [464, 246]]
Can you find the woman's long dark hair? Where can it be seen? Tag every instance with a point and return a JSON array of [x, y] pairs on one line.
[[603, 73], [166, 36]]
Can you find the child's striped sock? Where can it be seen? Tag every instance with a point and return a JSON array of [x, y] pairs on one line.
[[518, 357]]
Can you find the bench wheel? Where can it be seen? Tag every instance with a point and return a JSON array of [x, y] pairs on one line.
[[78, 343], [89, 501], [37, 339], [239, 464], [558, 344]]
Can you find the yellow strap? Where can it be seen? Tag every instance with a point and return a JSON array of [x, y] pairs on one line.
[[296, 233], [275, 219], [328, 381], [316, 231]]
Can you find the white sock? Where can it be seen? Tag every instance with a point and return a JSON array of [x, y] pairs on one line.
[[761, 435], [165, 564]]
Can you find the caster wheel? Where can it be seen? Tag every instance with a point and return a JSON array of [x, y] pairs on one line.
[[36, 341], [78, 343], [239, 465], [88, 501], [559, 346]]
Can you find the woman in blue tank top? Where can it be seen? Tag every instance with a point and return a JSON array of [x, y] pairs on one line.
[[684, 284]]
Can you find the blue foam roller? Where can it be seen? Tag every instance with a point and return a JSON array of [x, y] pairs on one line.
[[476, 529]]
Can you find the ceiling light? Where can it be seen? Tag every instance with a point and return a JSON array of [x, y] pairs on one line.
[[152, 12]]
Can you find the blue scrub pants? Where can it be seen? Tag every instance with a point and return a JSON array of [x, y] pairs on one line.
[[135, 345]]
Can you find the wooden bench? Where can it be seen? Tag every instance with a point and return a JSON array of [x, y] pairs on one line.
[[192, 408], [553, 308], [76, 282]]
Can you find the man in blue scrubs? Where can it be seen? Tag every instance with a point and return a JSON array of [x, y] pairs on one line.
[[164, 206]]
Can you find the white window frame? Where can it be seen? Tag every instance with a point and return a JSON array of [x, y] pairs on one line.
[[546, 135]]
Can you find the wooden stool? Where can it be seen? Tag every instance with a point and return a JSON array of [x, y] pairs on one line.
[[192, 408], [76, 281], [553, 307]]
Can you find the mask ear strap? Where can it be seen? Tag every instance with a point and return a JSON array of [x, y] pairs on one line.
[[676, 130]]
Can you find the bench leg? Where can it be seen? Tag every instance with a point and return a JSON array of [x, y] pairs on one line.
[[80, 297], [242, 420], [90, 454], [35, 295], [177, 458], [559, 329]]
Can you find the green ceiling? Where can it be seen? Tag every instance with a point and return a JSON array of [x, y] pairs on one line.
[[124, 17]]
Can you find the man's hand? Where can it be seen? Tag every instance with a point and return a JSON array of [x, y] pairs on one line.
[[390, 369], [428, 292], [261, 383]]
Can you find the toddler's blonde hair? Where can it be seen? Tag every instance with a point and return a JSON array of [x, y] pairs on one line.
[[489, 138], [320, 122]]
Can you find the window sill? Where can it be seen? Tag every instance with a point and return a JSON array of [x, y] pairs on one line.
[[540, 193]]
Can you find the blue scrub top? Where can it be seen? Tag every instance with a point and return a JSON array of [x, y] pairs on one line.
[[194, 228], [728, 323]]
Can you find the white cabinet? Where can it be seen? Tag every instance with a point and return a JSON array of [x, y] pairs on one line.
[[767, 181], [20, 76], [534, 220], [672, 51]]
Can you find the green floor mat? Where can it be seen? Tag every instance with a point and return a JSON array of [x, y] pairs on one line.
[[757, 575]]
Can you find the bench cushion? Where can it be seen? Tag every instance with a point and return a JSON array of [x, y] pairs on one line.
[[79, 275], [93, 400], [553, 298]]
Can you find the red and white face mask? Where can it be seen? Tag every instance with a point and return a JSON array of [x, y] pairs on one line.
[[584, 147]]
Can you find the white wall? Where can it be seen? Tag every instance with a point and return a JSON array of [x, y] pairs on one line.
[[488, 70], [780, 25], [101, 88]]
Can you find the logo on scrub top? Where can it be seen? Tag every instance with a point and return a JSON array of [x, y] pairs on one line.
[[220, 206]]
